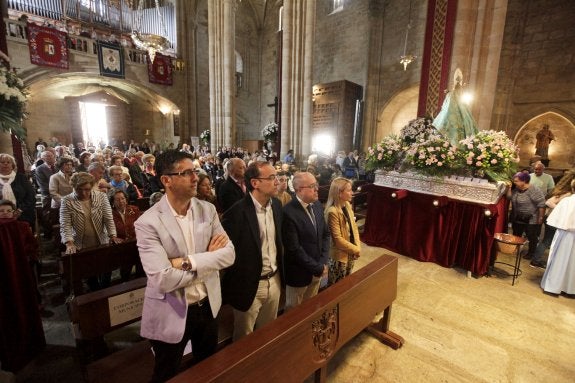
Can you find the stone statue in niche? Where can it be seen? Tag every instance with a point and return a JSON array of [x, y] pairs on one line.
[[544, 138]]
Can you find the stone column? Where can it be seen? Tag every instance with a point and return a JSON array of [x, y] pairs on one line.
[[187, 48], [221, 31], [297, 59]]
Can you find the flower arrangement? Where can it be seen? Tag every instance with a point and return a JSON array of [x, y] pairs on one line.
[[424, 149], [432, 155], [205, 136], [270, 132], [386, 154], [13, 96], [490, 152], [419, 128]]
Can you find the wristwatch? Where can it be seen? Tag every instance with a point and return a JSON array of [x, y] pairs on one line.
[[186, 265]]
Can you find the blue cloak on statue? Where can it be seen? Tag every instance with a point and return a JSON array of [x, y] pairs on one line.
[[454, 120]]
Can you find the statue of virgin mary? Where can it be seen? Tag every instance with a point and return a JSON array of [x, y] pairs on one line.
[[454, 120]]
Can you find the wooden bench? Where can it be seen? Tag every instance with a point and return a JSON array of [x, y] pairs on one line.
[[302, 341], [135, 364], [96, 260], [99, 313]]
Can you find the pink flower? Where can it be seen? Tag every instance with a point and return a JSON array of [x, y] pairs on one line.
[[478, 163]]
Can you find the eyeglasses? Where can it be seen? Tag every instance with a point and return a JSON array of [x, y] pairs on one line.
[[272, 177], [312, 186], [185, 173], [6, 211]]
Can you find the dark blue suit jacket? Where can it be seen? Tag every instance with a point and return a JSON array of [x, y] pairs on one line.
[[240, 281], [306, 250]]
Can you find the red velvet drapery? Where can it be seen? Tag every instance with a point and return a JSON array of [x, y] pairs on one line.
[[21, 332], [454, 233]]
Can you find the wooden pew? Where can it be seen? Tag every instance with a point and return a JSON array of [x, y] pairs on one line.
[[96, 260], [302, 341], [96, 314]]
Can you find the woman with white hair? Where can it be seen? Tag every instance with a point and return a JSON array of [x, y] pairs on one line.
[[16, 187]]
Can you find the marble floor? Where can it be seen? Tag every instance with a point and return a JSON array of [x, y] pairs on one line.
[[456, 329]]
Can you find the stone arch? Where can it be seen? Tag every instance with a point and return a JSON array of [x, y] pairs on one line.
[[397, 112], [561, 150], [52, 112]]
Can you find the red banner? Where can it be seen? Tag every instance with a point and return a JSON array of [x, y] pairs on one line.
[[47, 46], [160, 71]]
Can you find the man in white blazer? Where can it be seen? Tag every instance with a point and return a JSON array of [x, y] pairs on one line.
[[183, 247]]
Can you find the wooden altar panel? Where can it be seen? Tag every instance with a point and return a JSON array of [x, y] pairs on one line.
[[334, 111]]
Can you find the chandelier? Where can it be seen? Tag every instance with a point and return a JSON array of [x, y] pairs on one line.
[[150, 42], [406, 58]]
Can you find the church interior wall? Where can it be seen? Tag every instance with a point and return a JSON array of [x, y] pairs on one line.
[[388, 82], [537, 73], [49, 114], [268, 69], [199, 54], [341, 42], [248, 99]]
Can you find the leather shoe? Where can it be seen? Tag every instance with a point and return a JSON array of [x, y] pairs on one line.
[[538, 265]]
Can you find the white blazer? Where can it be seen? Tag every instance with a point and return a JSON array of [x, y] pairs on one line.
[[160, 238]]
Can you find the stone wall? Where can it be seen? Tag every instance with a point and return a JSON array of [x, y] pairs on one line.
[[268, 73], [248, 95], [536, 76], [341, 42]]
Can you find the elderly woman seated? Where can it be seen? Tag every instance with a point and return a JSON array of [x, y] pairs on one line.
[[124, 217]]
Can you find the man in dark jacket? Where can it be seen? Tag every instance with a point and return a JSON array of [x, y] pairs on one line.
[[306, 241], [252, 284]]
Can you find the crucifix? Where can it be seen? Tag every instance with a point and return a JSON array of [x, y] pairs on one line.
[[276, 105], [276, 109]]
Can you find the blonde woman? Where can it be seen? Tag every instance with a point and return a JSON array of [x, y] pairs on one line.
[[345, 243]]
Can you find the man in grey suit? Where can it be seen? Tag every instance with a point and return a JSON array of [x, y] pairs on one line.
[[182, 247]]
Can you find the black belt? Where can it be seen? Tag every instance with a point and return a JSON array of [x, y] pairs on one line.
[[268, 275], [199, 303]]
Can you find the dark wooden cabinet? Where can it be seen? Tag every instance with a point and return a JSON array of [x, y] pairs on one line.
[[336, 115]]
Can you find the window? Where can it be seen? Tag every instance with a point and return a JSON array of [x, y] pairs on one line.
[[94, 125], [281, 19], [337, 6]]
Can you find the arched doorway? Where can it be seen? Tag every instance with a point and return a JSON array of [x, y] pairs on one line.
[[135, 111], [398, 112], [561, 149]]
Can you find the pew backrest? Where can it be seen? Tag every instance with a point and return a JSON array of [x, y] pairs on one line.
[[301, 341], [96, 260]]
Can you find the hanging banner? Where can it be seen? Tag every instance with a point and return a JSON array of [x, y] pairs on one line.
[[111, 60], [47, 46], [160, 71]]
